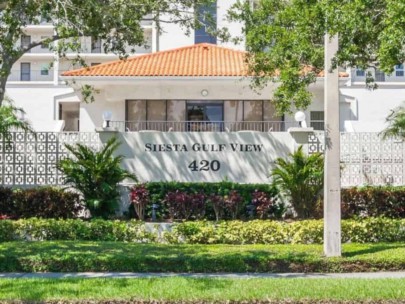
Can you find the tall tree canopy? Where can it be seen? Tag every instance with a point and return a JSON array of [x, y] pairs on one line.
[[116, 22], [285, 39]]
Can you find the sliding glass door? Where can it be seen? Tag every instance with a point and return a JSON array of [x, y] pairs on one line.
[[205, 117]]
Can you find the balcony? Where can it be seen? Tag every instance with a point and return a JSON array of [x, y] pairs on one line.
[[31, 75], [202, 126]]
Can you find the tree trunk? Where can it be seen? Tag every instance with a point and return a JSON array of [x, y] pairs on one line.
[[5, 71], [3, 81]]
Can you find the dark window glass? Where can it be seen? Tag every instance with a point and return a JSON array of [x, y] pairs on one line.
[[200, 34], [25, 71], [317, 120], [205, 117], [95, 45], [360, 73]]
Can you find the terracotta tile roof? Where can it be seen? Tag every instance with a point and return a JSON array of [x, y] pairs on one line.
[[199, 60], [196, 60]]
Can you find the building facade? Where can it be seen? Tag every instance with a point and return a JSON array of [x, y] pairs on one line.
[[219, 98]]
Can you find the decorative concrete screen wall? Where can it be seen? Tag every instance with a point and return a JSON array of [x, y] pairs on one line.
[[30, 160], [245, 157], [366, 159]]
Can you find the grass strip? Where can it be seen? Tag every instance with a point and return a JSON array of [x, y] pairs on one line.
[[62, 256], [191, 289]]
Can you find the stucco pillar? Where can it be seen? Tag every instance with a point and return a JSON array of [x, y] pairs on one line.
[[332, 213]]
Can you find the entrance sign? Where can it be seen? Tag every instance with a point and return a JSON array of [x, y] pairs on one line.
[[245, 157]]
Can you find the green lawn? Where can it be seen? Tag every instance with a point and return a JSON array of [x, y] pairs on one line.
[[200, 289], [116, 256]]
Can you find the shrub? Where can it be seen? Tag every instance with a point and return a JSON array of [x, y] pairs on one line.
[[233, 203], [369, 230], [96, 175], [44, 202], [208, 199], [218, 204], [373, 201], [272, 232], [262, 202], [300, 178], [95, 230], [6, 201], [140, 198]]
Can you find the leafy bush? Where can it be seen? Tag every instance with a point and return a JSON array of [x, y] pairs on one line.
[[201, 232], [273, 232], [225, 199], [373, 201], [139, 197], [262, 202], [95, 230], [96, 175], [43, 202], [300, 178], [233, 203]]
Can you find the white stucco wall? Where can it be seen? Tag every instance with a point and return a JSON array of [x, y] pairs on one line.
[[373, 106], [245, 157], [39, 103]]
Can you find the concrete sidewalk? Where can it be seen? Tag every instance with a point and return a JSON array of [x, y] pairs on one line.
[[131, 275]]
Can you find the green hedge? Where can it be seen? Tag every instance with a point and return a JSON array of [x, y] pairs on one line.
[[272, 232], [158, 191], [44, 202], [366, 201], [74, 229], [228, 232]]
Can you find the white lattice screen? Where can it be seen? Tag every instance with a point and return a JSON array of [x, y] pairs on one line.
[[31, 159], [367, 159]]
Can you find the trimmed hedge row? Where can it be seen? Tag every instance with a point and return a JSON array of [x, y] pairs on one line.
[[369, 201], [385, 201], [165, 194], [74, 229], [44, 202], [368, 230], [228, 232]]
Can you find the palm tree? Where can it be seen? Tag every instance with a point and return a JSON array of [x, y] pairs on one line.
[[396, 124], [96, 175], [300, 178]]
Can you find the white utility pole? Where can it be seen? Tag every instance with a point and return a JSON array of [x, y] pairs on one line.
[[332, 214]]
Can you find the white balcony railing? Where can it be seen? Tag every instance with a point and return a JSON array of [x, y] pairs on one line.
[[202, 126], [31, 75]]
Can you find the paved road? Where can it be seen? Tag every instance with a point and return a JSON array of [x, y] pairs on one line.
[[131, 275]]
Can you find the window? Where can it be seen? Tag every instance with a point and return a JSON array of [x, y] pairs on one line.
[[94, 63], [44, 46], [25, 71], [379, 76], [25, 41], [317, 120], [360, 73], [205, 117], [95, 45], [44, 71], [399, 70], [200, 34]]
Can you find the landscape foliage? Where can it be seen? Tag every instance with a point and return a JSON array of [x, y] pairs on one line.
[[367, 230], [96, 174]]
